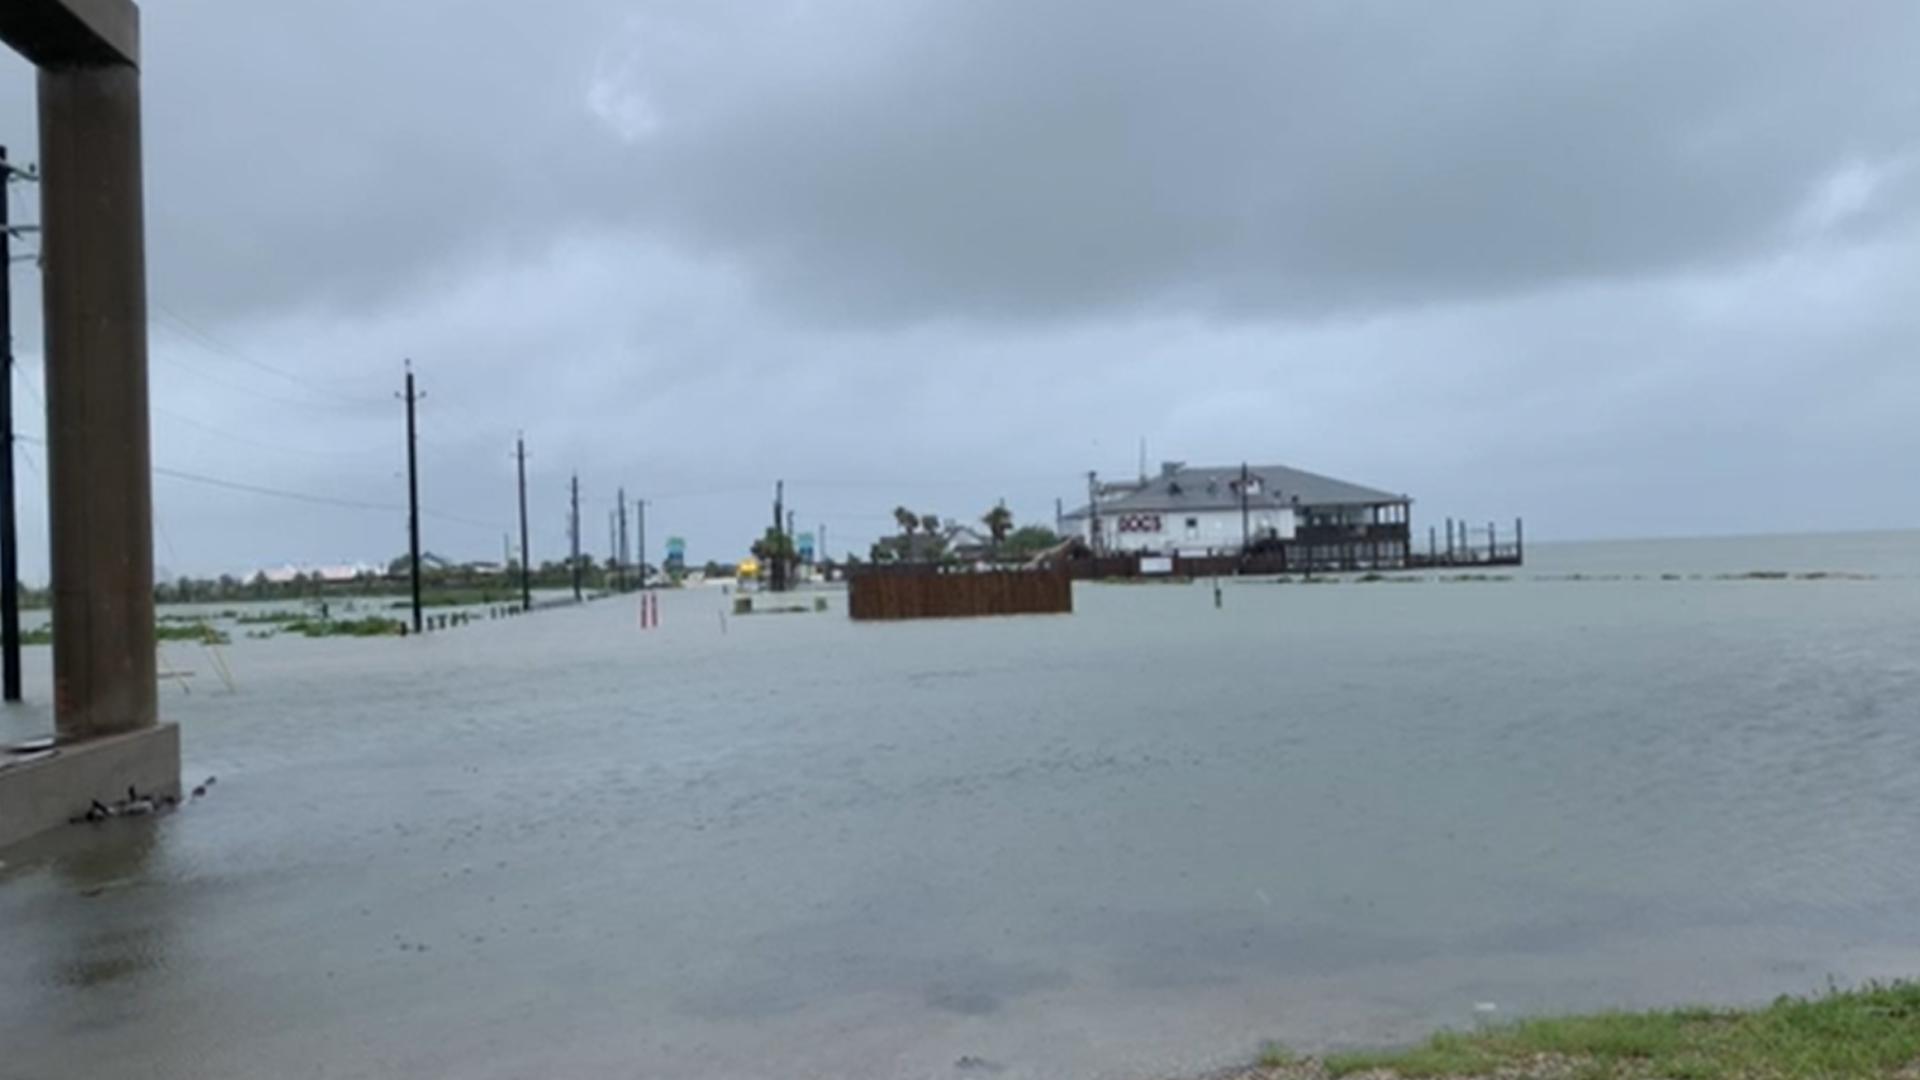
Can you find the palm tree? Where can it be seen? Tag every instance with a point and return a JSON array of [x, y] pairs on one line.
[[930, 523], [906, 519], [999, 522]]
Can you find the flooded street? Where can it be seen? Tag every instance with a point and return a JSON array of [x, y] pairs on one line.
[[1141, 838]]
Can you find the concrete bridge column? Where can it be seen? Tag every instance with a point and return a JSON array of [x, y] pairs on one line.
[[93, 246], [98, 456]]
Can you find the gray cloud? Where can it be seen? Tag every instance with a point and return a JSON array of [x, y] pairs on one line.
[[1633, 269], [1048, 160]]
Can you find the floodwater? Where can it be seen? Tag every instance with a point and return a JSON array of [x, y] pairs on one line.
[[1133, 841]]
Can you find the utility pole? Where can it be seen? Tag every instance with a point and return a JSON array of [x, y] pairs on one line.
[[778, 576], [820, 553], [9, 534], [622, 577], [793, 546], [413, 497], [1246, 520], [1059, 516], [526, 556], [1093, 511], [574, 529], [640, 540]]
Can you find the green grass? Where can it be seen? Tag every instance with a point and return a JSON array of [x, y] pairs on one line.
[[1871, 1032], [462, 596], [260, 618], [198, 632], [371, 626], [1275, 1055]]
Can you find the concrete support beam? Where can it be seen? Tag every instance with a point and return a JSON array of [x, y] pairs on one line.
[[52, 788], [54, 33], [98, 456]]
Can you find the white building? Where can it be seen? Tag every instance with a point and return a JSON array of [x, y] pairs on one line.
[[1203, 510], [281, 575]]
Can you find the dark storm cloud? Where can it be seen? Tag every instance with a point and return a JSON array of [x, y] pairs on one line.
[[1033, 160], [1626, 268], [881, 162], [337, 154]]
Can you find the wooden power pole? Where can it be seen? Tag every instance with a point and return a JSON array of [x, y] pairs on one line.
[[9, 529], [413, 497], [526, 555], [574, 530]]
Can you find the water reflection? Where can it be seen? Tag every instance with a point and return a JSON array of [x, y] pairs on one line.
[[111, 925]]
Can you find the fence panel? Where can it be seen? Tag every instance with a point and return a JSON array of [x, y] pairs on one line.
[[919, 594]]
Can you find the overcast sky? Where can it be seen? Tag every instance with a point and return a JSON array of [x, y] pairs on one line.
[[1636, 268]]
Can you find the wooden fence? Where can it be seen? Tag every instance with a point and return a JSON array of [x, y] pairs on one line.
[[937, 593]]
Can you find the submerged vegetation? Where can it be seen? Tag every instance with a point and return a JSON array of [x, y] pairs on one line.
[[202, 633], [370, 626], [1402, 577], [267, 618], [468, 596], [1870, 1032], [198, 632]]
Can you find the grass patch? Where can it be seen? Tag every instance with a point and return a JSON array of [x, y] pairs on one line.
[[1275, 1055], [1870, 1032], [371, 626], [262, 618], [199, 633], [461, 597]]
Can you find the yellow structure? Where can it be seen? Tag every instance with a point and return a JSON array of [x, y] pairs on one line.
[[749, 568]]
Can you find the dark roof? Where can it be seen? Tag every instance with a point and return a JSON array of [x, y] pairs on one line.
[[1218, 488]]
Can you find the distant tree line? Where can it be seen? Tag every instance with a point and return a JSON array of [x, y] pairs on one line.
[[480, 582], [924, 538]]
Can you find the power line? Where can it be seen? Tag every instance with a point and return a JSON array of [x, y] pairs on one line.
[[220, 348], [179, 362], [279, 493], [245, 440], [296, 496]]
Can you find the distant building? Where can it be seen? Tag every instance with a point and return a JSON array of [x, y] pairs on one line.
[[967, 544], [1194, 510], [281, 575]]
